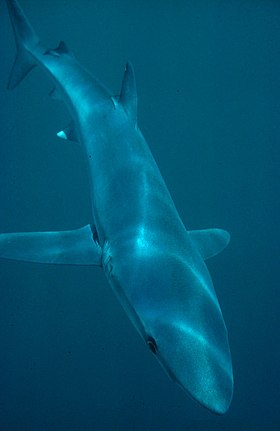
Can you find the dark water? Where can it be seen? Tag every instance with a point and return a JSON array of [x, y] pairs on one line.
[[209, 90]]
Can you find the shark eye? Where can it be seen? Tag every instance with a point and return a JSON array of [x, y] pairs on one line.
[[152, 344]]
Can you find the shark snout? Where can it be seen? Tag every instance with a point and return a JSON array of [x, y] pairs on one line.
[[203, 369]]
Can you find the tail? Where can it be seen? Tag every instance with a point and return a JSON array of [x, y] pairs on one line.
[[25, 39]]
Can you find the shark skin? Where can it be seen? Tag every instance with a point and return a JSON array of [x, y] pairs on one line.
[[153, 264]]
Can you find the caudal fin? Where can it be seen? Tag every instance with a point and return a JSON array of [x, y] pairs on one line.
[[25, 39]]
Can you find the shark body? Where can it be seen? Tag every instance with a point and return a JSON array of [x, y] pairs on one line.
[[154, 265]]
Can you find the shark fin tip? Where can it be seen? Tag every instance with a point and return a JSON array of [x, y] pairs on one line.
[[69, 133], [61, 135]]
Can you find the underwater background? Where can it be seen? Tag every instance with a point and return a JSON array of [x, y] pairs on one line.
[[208, 79]]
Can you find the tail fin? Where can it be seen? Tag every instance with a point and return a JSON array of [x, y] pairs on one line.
[[25, 39]]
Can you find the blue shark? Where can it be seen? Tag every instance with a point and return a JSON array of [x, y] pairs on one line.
[[154, 265]]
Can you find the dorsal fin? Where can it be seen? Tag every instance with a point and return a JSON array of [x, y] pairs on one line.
[[128, 96], [209, 242], [61, 49]]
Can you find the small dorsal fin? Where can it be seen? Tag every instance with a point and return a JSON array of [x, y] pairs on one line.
[[128, 95], [69, 133], [61, 49], [209, 242]]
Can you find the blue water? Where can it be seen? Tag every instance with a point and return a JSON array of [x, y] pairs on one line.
[[209, 89]]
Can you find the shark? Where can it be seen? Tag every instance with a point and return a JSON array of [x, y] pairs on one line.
[[155, 266]]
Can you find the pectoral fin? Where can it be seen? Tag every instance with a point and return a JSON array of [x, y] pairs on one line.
[[74, 247], [209, 241]]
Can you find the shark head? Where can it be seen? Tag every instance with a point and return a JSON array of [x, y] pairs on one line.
[[177, 313], [202, 369]]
